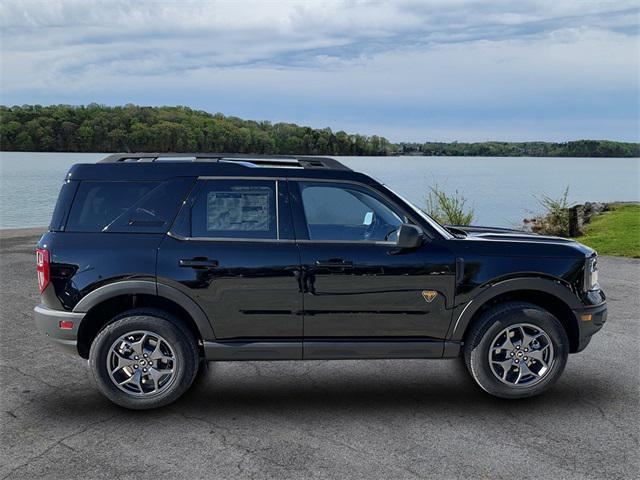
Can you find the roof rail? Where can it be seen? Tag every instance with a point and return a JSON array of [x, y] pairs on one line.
[[307, 162]]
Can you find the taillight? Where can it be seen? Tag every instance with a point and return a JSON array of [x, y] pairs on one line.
[[42, 267]]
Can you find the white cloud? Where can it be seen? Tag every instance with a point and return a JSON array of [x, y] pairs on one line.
[[409, 62]]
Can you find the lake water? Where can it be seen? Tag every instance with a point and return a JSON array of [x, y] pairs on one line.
[[500, 189]]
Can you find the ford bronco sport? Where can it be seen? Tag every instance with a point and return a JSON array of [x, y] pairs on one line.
[[156, 263]]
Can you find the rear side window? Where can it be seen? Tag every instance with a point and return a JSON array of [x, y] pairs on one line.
[[98, 204], [231, 209]]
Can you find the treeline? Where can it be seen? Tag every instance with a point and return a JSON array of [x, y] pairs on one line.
[[578, 148], [98, 128]]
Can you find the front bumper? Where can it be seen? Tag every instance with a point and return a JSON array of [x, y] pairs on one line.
[[590, 320], [48, 323]]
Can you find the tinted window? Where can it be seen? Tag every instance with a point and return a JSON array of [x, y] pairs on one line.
[[345, 212], [233, 209], [97, 204], [155, 211], [63, 204]]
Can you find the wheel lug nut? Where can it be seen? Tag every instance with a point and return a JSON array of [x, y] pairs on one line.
[[145, 355], [136, 357], [144, 369], [526, 358], [512, 354], [517, 361], [135, 366], [526, 349]]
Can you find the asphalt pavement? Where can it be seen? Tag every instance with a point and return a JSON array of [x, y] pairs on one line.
[[382, 419]]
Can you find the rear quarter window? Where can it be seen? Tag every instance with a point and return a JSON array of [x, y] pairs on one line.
[[154, 212], [127, 207], [59, 217], [98, 204]]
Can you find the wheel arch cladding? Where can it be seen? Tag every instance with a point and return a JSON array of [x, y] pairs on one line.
[[554, 298], [102, 308]]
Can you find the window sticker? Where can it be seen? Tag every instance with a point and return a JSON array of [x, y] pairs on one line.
[[241, 209]]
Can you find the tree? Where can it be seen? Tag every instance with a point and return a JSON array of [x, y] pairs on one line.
[[98, 128]]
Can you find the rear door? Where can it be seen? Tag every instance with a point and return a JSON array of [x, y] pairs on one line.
[[232, 250]]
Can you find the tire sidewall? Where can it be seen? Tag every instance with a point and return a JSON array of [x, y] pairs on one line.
[[479, 355], [181, 345]]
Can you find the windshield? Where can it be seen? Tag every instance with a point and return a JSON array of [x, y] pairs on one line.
[[436, 226]]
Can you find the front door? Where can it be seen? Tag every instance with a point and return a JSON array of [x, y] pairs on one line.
[[231, 249], [357, 284]]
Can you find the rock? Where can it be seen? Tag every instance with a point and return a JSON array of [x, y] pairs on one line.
[[578, 216]]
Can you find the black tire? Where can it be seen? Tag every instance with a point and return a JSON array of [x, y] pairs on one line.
[[480, 338], [202, 375], [171, 329]]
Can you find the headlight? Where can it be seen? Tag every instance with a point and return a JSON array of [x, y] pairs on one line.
[[591, 275]]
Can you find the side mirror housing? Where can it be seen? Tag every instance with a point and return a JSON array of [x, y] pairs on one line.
[[409, 236]]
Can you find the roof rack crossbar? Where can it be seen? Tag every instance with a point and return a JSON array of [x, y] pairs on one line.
[[307, 162]]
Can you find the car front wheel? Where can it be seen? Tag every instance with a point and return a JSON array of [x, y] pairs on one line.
[[516, 350], [144, 359]]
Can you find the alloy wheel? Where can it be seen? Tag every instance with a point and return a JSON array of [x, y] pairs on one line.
[[521, 355], [142, 363]]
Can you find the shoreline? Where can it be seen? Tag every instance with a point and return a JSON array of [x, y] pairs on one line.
[[391, 155], [6, 233]]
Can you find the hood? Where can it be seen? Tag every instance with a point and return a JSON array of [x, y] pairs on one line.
[[509, 235]]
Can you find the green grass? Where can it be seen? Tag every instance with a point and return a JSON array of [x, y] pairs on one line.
[[616, 232]]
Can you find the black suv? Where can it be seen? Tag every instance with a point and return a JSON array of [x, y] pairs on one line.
[[155, 264]]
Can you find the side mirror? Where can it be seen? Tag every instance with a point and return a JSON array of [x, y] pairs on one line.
[[409, 236]]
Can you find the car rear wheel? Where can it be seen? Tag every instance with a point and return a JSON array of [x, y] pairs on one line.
[[144, 359], [516, 350]]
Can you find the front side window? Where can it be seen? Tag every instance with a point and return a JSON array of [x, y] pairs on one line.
[[347, 213], [231, 209]]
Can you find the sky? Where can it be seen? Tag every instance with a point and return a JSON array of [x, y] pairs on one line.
[[431, 70]]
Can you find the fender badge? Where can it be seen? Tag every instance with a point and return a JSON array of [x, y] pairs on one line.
[[429, 295]]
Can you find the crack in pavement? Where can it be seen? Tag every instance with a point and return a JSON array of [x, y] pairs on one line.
[[55, 444]]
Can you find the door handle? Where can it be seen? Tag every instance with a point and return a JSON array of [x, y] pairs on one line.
[[198, 262], [334, 263]]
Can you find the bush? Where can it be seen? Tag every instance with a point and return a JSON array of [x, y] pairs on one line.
[[448, 209], [555, 220]]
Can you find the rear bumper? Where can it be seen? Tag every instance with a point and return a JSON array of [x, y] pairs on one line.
[[48, 323], [590, 320]]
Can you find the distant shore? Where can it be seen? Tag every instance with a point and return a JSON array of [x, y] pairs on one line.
[[135, 128]]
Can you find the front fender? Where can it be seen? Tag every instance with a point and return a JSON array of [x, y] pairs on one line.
[[463, 313]]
